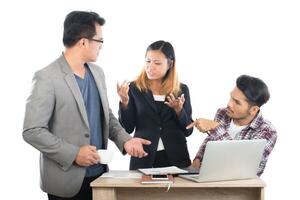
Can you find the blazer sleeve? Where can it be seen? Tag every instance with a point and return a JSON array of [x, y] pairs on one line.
[[185, 117], [39, 109], [117, 133], [127, 116]]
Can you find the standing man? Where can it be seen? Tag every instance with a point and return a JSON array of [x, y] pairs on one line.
[[68, 116], [241, 120]]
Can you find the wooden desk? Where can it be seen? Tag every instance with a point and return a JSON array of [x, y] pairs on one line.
[[131, 189]]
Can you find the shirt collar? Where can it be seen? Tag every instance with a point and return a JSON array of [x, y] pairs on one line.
[[255, 123]]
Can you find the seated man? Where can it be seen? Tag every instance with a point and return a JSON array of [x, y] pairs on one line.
[[241, 120]]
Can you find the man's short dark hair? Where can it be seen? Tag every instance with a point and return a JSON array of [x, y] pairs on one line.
[[80, 24], [254, 89]]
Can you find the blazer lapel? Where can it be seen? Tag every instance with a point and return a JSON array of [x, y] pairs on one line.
[[71, 81]]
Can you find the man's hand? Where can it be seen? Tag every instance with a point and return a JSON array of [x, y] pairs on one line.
[[87, 156], [203, 125], [196, 163], [134, 147]]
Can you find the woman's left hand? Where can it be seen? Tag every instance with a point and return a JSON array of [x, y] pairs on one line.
[[175, 103]]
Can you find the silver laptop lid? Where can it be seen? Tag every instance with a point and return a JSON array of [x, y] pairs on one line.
[[231, 160]]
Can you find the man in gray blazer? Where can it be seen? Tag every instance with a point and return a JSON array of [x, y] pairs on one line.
[[68, 116]]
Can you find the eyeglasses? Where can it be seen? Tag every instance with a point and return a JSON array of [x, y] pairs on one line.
[[100, 41]]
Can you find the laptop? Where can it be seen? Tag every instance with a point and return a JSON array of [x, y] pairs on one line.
[[229, 160]]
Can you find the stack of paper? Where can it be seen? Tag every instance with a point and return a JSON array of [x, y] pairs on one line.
[[162, 170], [122, 174]]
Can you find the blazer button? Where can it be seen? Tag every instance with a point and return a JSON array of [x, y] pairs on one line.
[[86, 135], [160, 128]]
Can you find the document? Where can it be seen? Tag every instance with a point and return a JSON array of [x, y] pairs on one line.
[[162, 170], [122, 174]]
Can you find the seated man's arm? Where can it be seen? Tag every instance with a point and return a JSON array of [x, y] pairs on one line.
[[271, 136], [199, 156]]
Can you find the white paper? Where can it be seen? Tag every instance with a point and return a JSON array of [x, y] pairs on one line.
[[122, 174], [163, 170]]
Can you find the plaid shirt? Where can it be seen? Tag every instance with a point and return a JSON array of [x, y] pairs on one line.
[[259, 128]]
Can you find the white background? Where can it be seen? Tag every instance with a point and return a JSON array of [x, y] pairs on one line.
[[215, 41]]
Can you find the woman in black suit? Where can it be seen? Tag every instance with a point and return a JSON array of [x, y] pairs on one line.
[[157, 106]]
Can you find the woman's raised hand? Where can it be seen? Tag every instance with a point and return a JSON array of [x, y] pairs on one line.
[[122, 90]]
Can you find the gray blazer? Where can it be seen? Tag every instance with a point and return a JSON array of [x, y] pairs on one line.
[[56, 124]]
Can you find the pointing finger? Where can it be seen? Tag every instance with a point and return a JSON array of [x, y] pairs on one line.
[[191, 125]]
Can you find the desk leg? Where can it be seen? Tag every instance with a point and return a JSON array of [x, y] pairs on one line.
[[262, 193], [104, 193]]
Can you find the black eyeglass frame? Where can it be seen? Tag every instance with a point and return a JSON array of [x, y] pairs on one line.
[[100, 41]]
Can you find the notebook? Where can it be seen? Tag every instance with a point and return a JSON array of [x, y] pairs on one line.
[[150, 179]]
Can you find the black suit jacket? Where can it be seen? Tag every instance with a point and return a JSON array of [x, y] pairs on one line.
[[143, 116]]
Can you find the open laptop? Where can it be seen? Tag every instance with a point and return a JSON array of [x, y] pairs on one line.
[[229, 160]]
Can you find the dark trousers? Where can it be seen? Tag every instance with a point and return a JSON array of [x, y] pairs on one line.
[[161, 159], [85, 192]]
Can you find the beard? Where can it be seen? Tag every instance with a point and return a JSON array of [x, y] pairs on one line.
[[237, 116]]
